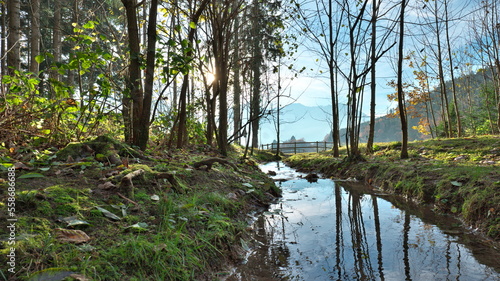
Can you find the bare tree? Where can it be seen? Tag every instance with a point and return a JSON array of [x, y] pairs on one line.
[[401, 95]]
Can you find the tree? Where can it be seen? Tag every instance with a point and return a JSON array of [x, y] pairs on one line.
[[359, 66], [452, 70], [35, 36], [373, 84], [14, 37], [257, 58], [136, 101], [324, 33], [194, 16], [401, 95]]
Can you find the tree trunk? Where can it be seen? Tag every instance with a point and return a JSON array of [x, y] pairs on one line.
[[256, 64], [401, 96], [13, 39], [373, 85], [3, 55], [453, 84], [133, 97], [237, 86], [333, 83], [182, 129], [150, 70], [444, 95], [56, 39], [35, 36]]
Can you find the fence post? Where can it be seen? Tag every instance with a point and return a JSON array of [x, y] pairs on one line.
[[295, 148]]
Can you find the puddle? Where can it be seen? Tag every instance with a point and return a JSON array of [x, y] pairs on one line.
[[327, 231]]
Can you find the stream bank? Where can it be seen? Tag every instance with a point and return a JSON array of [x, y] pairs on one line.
[[165, 215]]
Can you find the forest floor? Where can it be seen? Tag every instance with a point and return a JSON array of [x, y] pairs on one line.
[[100, 210], [458, 176]]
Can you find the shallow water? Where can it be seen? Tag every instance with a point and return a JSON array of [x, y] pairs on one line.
[[334, 231]]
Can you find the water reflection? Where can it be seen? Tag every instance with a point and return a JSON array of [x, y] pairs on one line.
[[324, 231]]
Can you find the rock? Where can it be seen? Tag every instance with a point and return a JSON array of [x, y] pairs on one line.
[[271, 173], [232, 196], [106, 185], [312, 177], [461, 157]]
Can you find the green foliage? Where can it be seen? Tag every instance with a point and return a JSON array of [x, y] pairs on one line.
[[62, 112]]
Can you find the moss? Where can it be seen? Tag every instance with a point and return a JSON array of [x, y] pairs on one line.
[[45, 208]]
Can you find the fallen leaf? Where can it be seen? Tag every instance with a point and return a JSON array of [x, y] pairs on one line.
[[108, 214], [73, 221], [71, 236], [50, 274], [21, 166], [456, 183], [80, 277], [140, 226], [106, 185], [31, 175]]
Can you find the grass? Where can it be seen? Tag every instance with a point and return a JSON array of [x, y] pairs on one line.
[[186, 236], [457, 176]]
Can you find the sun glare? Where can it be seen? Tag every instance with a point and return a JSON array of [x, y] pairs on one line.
[[210, 77]]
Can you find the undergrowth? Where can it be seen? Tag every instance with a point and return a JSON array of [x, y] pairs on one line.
[[154, 233]]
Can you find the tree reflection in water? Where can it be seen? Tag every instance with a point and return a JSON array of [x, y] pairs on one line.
[[323, 231]]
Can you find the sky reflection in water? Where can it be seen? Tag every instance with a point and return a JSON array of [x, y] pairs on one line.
[[323, 231]]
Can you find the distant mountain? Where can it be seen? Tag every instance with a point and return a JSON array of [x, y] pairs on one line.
[[387, 129], [312, 123], [475, 98]]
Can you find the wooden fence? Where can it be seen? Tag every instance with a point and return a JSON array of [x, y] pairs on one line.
[[299, 147]]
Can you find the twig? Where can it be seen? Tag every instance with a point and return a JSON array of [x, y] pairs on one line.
[[126, 199]]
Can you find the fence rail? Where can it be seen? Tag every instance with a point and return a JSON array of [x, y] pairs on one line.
[[298, 147]]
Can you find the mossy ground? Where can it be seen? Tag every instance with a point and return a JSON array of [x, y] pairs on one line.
[[193, 235], [458, 176]]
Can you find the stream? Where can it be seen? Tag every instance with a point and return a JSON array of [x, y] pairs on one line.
[[328, 230]]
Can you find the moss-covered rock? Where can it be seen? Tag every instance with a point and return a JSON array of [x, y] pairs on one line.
[[102, 149]]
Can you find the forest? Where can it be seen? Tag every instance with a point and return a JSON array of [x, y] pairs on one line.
[[126, 127], [178, 73]]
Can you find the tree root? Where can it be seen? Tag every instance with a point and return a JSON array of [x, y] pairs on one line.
[[210, 161], [126, 183]]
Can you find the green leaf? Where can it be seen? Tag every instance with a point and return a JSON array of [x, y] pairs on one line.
[[73, 221], [31, 175], [40, 58], [192, 25], [456, 183], [141, 226], [89, 25]]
